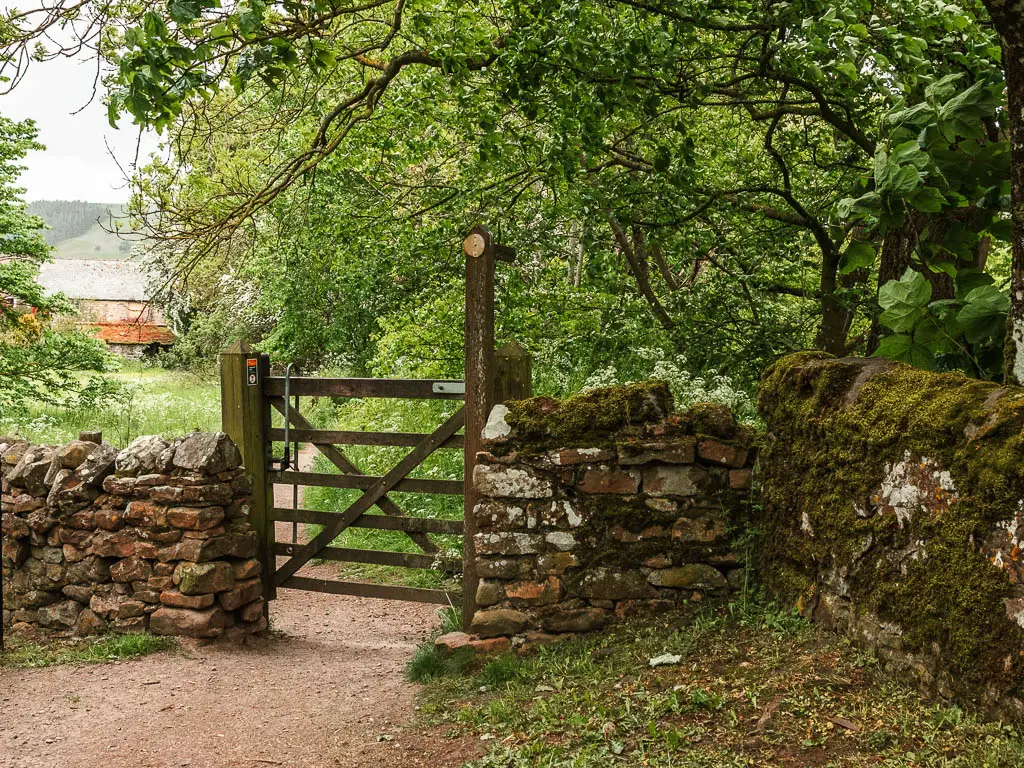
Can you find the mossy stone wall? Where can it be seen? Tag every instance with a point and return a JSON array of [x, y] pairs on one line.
[[604, 506], [893, 499]]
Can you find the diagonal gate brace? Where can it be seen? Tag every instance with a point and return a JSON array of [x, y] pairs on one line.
[[372, 495], [337, 457]]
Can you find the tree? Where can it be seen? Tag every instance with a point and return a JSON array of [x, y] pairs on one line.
[[699, 150], [1009, 22], [37, 361]]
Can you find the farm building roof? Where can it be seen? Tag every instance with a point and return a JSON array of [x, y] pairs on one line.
[[94, 279]]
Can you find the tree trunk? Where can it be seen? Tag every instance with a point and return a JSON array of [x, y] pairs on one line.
[[1009, 22]]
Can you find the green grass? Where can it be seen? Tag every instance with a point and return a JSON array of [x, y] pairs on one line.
[[147, 401], [392, 416], [755, 687], [88, 651]]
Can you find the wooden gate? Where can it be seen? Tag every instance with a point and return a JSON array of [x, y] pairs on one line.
[[251, 395]]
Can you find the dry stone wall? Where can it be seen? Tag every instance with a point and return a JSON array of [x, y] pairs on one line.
[[893, 506], [153, 537], [633, 517]]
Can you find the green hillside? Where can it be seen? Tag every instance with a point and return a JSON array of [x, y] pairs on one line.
[[81, 230]]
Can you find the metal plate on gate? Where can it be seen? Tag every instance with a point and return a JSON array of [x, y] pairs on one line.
[[252, 371], [449, 387]]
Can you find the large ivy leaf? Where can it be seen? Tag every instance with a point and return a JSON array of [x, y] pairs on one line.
[[901, 346], [984, 316], [857, 255]]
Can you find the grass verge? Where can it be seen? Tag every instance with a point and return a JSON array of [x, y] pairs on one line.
[[753, 687], [87, 651]]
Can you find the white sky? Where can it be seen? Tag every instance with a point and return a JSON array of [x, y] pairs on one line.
[[76, 164]]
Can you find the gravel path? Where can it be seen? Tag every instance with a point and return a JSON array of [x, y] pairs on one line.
[[327, 689]]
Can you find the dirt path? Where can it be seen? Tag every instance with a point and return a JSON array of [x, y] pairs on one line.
[[326, 690]]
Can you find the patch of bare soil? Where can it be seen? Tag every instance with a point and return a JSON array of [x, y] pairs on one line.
[[325, 689]]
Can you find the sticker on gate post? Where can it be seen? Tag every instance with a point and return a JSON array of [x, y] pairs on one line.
[[252, 371]]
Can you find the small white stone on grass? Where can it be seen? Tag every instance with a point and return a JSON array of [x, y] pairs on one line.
[[665, 660]]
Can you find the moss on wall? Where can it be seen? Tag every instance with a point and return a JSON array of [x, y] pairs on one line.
[[592, 419], [836, 429]]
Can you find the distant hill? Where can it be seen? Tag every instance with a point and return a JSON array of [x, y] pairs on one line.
[[79, 230]]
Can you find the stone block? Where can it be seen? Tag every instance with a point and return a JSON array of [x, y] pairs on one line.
[[707, 527], [545, 592], [491, 646], [107, 544], [556, 563], [571, 456], [667, 480], [609, 480], [195, 518], [681, 450], [203, 578], [110, 519], [510, 482], [117, 606], [145, 455], [693, 576], [499, 621], [188, 623], [242, 593], [175, 599], [495, 514], [489, 592], [88, 623], [498, 568], [251, 612], [555, 514], [131, 569], [575, 620], [246, 569], [215, 494], [60, 615], [726, 454], [451, 642], [612, 584], [741, 479], [508, 543], [146, 513], [561, 540], [207, 452]]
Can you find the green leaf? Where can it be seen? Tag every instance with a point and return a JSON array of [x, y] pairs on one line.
[[901, 347], [928, 200], [905, 180], [857, 255], [911, 290], [983, 317]]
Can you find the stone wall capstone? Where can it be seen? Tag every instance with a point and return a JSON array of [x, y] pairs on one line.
[[151, 538], [893, 506], [585, 520]]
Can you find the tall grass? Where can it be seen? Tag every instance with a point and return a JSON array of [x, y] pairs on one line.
[[139, 401]]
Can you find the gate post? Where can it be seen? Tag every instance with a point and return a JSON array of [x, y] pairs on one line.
[[245, 419], [479, 251], [513, 373]]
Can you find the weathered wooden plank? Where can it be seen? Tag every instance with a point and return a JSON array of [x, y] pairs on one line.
[[479, 345], [245, 418], [381, 486], [360, 589], [376, 557], [417, 389], [342, 462], [377, 522], [365, 482], [343, 437]]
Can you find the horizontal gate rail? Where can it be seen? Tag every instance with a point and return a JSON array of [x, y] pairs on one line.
[[376, 557], [416, 389], [377, 522], [341, 437], [365, 482], [378, 487], [341, 461], [361, 589]]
